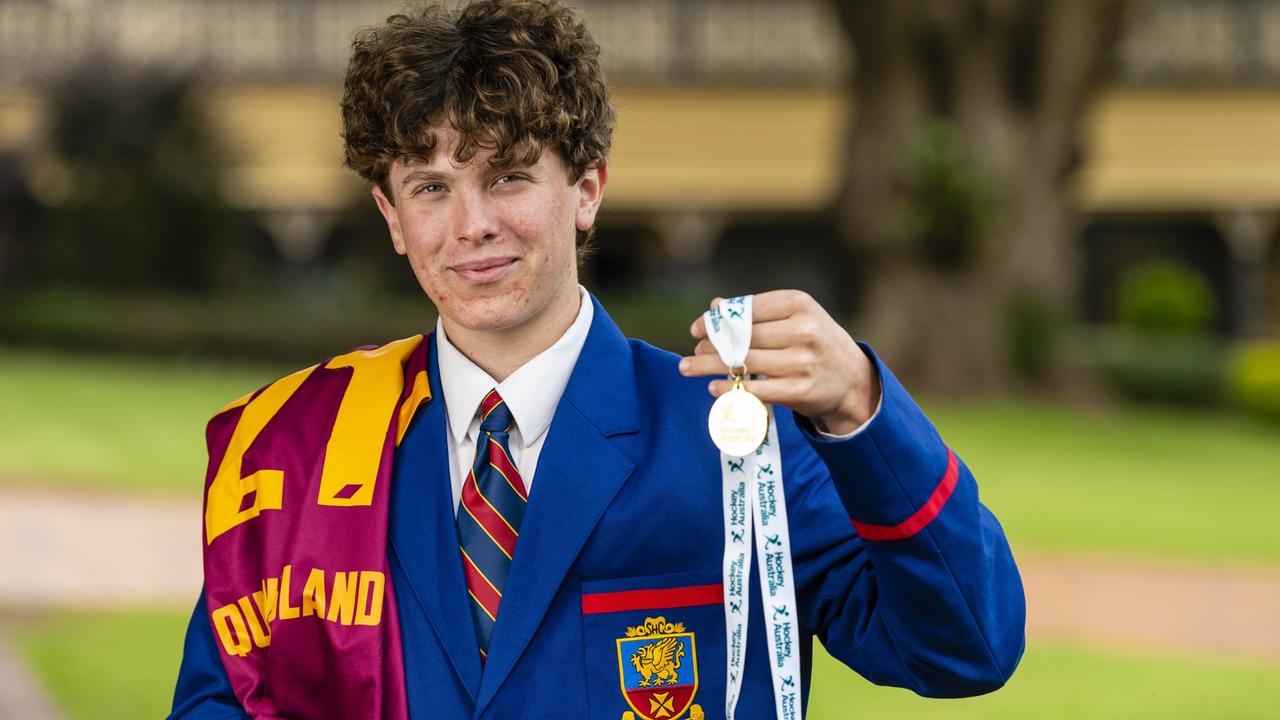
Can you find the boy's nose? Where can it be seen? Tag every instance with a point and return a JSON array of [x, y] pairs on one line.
[[475, 220]]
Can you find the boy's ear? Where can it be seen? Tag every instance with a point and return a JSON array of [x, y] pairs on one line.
[[590, 194], [388, 211]]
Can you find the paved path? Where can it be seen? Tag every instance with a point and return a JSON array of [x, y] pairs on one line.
[[80, 549], [20, 696], [1154, 605], [85, 550]]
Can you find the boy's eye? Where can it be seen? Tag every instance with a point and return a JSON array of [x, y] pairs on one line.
[[505, 179], [429, 188]]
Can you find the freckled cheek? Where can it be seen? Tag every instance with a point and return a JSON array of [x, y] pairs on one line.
[[423, 247], [538, 224], [523, 223], [427, 264]]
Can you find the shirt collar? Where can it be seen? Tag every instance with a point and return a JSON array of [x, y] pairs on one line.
[[532, 392]]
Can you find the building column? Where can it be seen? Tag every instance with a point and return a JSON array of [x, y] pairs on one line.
[[1248, 236], [298, 234], [690, 235]]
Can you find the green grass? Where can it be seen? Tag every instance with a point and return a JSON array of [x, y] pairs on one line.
[[105, 665], [1070, 683], [1191, 483], [122, 665], [92, 422]]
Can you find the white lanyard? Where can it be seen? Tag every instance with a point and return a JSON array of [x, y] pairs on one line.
[[753, 485]]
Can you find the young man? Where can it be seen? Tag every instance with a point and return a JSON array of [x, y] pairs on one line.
[[478, 523]]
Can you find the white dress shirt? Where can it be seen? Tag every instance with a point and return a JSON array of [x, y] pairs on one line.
[[532, 393]]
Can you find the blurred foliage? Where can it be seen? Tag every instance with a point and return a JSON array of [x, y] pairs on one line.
[[1183, 369], [949, 214], [1032, 327], [1165, 297], [1254, 378], [132, 177], [1162, 349], [263, 327], [658, 314]]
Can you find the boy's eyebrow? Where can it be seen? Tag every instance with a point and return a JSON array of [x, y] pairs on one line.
[[438, 176], [428, 175], [512, 164]]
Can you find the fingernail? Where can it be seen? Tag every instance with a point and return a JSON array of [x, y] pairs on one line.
[[684, 364]]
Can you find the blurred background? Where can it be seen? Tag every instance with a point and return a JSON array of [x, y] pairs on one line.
[[1059, 222]]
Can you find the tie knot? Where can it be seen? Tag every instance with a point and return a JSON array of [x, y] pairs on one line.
[[494, 414]]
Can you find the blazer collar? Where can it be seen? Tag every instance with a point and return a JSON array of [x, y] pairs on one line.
[[603, 384]]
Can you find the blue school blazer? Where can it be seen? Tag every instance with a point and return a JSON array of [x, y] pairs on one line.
[[900, 572]]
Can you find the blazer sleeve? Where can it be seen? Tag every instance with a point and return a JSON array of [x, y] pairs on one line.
[[203, 691], [901, 573]]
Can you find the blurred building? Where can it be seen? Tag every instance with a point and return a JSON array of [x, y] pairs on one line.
[[731, 124]]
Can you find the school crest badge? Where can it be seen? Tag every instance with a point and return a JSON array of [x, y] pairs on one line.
[[658, 669]]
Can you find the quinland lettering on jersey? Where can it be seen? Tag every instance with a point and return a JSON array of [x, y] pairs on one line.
[[348, 597]]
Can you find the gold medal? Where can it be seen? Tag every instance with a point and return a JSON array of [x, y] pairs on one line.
[[739, 421]]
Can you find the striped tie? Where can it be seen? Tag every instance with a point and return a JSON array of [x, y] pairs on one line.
[[493, 502]]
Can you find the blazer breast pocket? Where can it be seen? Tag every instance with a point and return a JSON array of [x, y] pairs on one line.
[[655, 647]]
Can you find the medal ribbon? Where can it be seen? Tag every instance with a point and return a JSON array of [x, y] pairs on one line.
[[753, 487]]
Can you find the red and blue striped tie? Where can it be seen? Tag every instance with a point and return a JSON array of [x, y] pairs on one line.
[[493, 502]]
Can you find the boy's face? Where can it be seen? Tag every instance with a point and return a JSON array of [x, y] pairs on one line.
[[494, 249]]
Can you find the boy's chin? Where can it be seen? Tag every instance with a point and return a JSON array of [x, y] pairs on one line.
[[484, 314]]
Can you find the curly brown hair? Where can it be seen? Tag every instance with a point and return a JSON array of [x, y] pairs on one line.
[[513, 76]]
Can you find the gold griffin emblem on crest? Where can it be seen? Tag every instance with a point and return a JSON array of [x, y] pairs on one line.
[[657, 665], [659, 659]]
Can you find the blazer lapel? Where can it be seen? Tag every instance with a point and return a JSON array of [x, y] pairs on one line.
[[579, 472], [423, 532]]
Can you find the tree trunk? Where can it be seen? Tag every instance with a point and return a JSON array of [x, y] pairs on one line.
[[1007, 81]]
